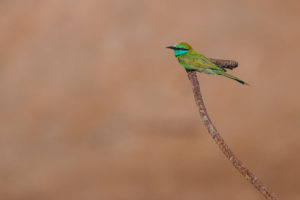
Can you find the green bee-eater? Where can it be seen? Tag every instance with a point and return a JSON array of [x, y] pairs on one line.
[[192, 60]]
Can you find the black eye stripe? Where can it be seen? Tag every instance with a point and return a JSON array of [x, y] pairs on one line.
[[176, 48]]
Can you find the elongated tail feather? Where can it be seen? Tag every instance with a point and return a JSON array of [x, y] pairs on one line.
[[232, 77]]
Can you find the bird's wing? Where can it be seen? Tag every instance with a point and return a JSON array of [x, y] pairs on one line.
[[197, 61]]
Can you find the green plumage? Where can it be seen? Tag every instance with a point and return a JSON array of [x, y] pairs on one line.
[[192, 60]]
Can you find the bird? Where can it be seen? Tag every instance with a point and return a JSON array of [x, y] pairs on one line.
[[194, 61]]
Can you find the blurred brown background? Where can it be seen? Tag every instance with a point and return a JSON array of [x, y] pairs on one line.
[[93, 106]]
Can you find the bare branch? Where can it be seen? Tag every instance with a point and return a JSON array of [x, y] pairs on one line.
[[221, 143], [228, 64]]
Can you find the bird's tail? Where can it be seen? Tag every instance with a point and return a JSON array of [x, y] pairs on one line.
[[232, 77]]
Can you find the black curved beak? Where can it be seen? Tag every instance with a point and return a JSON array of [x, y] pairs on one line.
[[171, 47], [176, 48]]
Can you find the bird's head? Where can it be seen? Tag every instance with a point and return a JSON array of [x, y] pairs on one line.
[[180, 48]]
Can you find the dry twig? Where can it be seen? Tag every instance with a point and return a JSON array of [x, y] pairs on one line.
[[220, 141], [229, 64]]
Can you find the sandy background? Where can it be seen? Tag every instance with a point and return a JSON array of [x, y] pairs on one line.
[[93, 106]]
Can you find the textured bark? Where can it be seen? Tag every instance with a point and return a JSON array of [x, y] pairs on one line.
[[228, 64], [243, 170]]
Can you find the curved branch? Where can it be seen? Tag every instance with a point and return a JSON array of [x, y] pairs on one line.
[[221, 143]]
